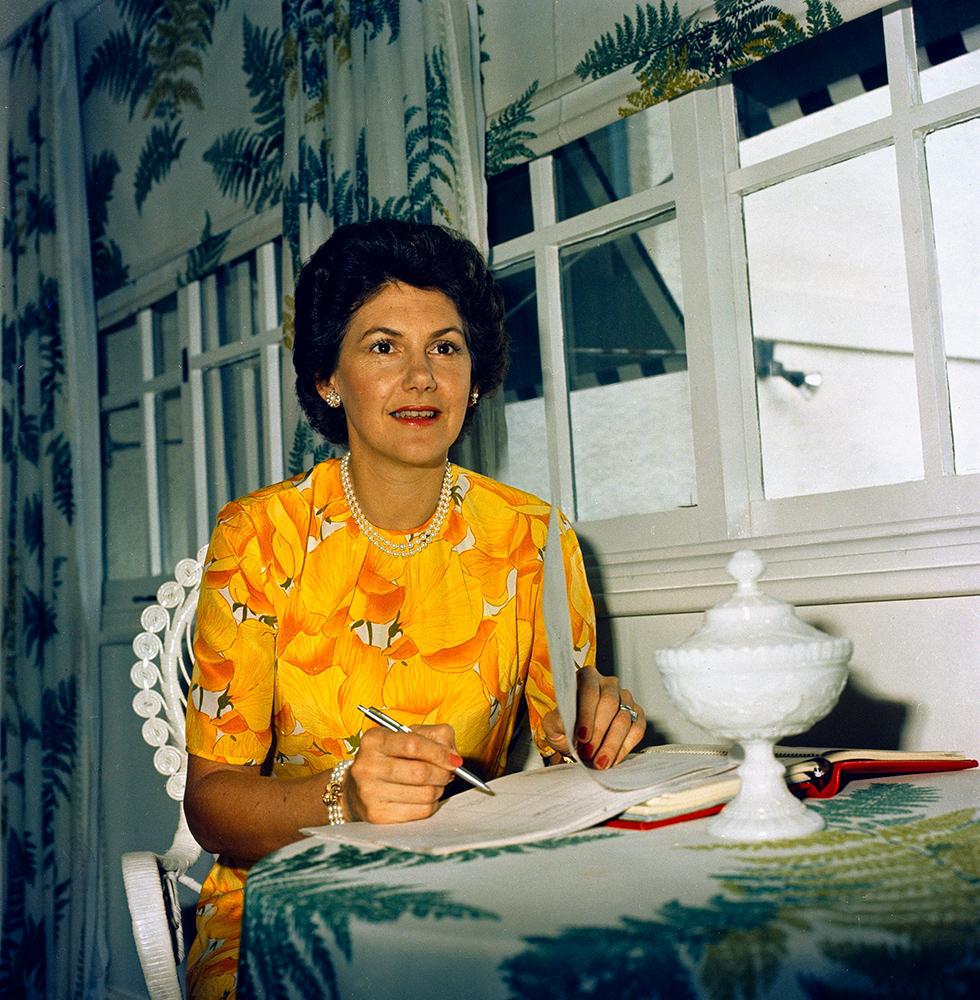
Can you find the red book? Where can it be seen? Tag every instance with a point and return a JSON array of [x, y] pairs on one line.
[[810, 773]]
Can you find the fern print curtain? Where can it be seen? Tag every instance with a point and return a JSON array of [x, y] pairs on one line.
[[182, 121], [51, 921], [538, 58], [383, 117]]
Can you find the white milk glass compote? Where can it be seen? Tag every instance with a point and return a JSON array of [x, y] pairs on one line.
[[754, 673]]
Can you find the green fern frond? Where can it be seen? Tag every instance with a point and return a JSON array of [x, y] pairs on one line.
[[302, 442], [160, 151], [634, 43], [120, 66], [63, 491], [248, 165], [109, 271], [38, 624], [206, 256], [33, 521], [29, 438], [506, 137], [262, 62], [100, 178], [140, 15], [59, 748]]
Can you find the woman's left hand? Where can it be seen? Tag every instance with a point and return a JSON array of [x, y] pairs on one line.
[[605, 731]]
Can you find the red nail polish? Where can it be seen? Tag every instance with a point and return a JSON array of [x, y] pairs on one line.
[[455, 760], [602, 763], [587, 750], [582, 733]]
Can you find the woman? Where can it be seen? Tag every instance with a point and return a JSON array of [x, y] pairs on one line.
[[389, 578]]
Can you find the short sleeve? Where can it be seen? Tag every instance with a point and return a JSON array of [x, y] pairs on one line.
[[230, 701], [540, 691]]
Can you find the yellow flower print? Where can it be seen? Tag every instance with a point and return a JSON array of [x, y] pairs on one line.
[[416, 695]]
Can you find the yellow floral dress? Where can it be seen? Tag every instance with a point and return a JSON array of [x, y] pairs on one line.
[[301, 619]]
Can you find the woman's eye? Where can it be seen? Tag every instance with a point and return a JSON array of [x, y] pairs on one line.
[[381, 347], [447, 347]]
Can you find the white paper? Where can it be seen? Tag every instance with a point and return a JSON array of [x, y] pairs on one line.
[[528, 806]]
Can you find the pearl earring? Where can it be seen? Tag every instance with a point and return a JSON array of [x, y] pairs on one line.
[[332, 399]]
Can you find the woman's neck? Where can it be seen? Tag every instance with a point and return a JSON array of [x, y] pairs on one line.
[[395, 497]]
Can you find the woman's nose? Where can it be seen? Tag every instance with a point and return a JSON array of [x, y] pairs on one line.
[[418, 371]]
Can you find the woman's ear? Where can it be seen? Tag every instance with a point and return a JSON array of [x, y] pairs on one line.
[[328, 393]]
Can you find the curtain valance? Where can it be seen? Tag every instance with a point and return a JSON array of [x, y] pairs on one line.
[[553, 73]]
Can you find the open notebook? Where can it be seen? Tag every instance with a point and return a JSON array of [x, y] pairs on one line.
[[810, 773]]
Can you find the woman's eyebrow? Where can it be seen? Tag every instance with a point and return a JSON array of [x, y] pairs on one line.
[[391, 332]]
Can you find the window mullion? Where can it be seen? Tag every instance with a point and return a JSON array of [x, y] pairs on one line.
[[547, 271], [920, 248], [148, 409], [710, 320], [189, 311], [270, 358]]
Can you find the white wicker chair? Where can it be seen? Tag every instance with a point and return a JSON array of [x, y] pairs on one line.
[[162, 675]]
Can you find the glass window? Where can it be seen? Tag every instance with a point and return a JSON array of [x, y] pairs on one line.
[[126, 539], [509, 204], [829, 300], [626, 362], [951, 155], [948, 39], [527, 441], [630, 155], [813, 90], [171, 478], [120, 353], [235, 432], [166, 336], [228, 301]]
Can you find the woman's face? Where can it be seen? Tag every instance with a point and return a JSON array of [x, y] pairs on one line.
[[403, 376]]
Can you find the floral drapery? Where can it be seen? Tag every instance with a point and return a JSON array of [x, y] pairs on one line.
[[382, 118], [51, 932]]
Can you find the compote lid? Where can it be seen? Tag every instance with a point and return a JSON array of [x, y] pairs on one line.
[[750, 619]]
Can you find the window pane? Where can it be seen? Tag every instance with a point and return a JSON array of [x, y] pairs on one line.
[[816, 89], [166, 336], [174, 496], [235, 432], [951, 155], [509, 205], [630, 155], [948, 39], [120, 367], [228, 303], [632, 443], [527, 443], [127, 545], [828, 295]]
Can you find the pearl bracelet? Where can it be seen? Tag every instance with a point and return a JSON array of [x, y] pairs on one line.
[[332, 795]]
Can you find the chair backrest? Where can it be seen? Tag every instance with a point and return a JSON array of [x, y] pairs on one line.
[[162, 673]]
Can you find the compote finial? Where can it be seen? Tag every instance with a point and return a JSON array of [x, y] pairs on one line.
[[745, 567]]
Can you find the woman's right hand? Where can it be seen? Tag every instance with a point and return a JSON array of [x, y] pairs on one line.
[[397, 777]]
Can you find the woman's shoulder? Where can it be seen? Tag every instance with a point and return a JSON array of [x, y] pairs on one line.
[[479, 488], [298, 489]]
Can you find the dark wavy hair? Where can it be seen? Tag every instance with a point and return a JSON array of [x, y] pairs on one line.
[[357, 261]]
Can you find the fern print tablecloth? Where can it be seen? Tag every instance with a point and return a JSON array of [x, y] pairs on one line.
[[883, 903]]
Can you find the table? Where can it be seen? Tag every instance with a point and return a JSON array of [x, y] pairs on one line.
[[884, 902]]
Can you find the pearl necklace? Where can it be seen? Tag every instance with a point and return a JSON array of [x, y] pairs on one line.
[[415, 543]]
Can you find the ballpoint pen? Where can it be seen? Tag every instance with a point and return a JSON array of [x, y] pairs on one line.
[[376, 715]]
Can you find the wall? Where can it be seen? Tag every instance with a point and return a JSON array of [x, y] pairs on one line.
[[914, 683]]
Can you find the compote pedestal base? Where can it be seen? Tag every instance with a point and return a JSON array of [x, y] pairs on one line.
[[764, 809]]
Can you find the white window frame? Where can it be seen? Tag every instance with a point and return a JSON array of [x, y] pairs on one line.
[[906, 540], [137, 302]]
